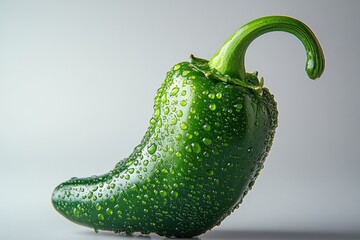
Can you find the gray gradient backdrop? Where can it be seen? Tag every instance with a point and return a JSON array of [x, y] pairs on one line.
[[77, 82]]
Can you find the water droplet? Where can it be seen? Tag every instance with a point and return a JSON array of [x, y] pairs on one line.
[[152, 121], [131, 170], [166, 110], [188, 149], [177, 67], [164, 98], [165, 148], [175, 194], [212, 107], [101, 217], [98, 207], [185, 73], [90, 195], [174, 91], [159, 123], [211, 95], [238, 107], [178, 137], [207, 141], [207, 127], [210, 172], [196, 147], [152, 149], [146, 162], [163, 193], [183, 92], [179, 113], [109, 211], [183, 126], [76, 212], [174, 121], [219, 95], [119, 213], [178, 154], [183, 103], [157, 113]]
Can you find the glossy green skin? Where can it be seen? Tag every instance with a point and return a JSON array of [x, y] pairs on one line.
[[205, 146], [212, 128]]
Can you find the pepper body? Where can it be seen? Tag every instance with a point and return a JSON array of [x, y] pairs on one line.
[[204, 148], [206, 144]]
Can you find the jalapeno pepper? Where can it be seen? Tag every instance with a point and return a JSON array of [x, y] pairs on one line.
[[212, 128]]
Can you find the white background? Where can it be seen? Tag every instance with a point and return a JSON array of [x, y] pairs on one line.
[[77, 82]]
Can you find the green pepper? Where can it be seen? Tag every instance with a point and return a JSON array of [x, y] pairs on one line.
[[212, 128]]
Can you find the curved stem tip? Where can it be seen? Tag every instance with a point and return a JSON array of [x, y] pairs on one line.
[[229, 60]]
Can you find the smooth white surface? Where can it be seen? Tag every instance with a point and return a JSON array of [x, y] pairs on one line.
[[77, 82]]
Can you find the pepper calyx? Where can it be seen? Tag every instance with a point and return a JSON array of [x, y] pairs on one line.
[[251, 81]]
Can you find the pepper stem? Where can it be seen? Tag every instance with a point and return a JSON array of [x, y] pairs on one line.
[[229, 60]]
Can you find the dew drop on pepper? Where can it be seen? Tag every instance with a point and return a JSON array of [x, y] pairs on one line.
[[101, 217], [109, 211], [207, 141], [152, 149], [196, 147], [174, 91], [183, 126]]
